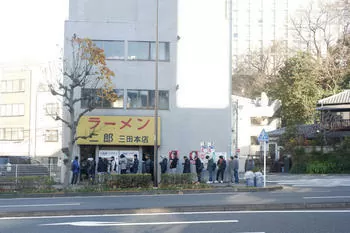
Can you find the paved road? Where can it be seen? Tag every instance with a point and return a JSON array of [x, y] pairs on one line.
[[335, 221], [309, 180], [291, 195]]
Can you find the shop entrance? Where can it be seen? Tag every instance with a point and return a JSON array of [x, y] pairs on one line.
[[148, 150], [86, 151]]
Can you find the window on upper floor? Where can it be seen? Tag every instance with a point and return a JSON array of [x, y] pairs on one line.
[[114, 49], [145, 99], [51, 136], [11, 134], [11, 86], [91, 97], [10, 110], [146, 51], [259, 121], [51, 109]]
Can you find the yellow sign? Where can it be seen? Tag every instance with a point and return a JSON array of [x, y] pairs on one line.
[[117, 130]]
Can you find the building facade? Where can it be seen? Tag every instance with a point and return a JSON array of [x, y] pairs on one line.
[[194, 92], [250, 117], [27, 127]]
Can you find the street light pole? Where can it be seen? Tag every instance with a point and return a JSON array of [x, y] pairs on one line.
[[156, 96]]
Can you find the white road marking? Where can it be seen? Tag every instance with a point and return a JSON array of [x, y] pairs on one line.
[[328, 197], [39, 205], [177, 213], [104, 224], [116, 196]]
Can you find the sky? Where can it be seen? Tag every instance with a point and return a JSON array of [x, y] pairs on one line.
[[32, 30]]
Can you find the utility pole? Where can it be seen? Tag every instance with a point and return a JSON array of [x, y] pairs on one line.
[[156, 96]]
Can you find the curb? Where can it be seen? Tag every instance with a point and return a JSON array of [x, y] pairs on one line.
[[151, 192], [240, 207]]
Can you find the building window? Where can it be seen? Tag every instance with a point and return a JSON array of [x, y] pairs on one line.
[[145, 99], [146, 51], [113, 49], [10, 86], [92, 98], [51, 136], [9, 110], [11, 134], [51, 109]]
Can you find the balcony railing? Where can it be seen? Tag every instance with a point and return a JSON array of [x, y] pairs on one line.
[[337, 125]]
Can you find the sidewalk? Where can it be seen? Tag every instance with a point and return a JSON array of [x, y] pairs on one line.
[[214, 188]]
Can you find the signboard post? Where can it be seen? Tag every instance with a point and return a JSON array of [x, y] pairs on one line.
[[264, 138]]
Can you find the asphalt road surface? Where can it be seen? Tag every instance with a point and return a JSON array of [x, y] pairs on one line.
[[327, 221], [295, 195]]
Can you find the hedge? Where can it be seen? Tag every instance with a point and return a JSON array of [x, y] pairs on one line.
[[129, 181], [175, 179], [26, 183]]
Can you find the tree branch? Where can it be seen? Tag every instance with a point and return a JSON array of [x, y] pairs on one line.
[[58, 118]]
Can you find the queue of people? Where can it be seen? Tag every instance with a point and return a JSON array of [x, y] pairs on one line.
[[124, 165]]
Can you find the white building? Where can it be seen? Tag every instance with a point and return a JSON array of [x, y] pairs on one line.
[[27, 127], [194, 74], [250, 117]]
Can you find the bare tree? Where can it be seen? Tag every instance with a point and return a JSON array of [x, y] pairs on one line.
[[324, 29], [259, 68], [85, 68]]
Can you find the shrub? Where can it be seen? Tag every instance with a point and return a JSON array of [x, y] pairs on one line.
[[176, 179], [298, 168], [28, 183], [318, 167], [129, 181]]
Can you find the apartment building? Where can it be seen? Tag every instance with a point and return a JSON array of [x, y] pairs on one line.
[[194, 96], [27, 108]]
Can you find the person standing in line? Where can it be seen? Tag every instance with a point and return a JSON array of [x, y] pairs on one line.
[[231, 169], [221, 164], [75, 170], [235, 169], [113, 165], [163, 164], [123, 162], [249, 164], [199, 168], [135, 165], [187, 165], [173, 162], [211, 168]]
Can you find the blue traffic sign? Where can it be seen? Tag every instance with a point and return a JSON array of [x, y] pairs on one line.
[[263, 137]]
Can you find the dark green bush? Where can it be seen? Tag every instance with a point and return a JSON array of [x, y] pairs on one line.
[[129, 181], [177, 179], [298, 168]]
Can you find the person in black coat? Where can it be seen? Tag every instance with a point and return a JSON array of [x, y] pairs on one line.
[[199, 168], [187, 165], [163, 165], [135, 165]]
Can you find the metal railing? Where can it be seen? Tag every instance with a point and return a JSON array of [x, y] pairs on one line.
[[22, 170]]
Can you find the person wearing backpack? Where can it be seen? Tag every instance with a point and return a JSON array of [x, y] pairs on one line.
[[211, 168], [221, 164], [199, 168]]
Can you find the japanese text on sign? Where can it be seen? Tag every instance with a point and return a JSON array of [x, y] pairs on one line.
[[117, 130]]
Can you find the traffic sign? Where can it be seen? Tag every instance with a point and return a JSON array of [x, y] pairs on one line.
[[263, 137]]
